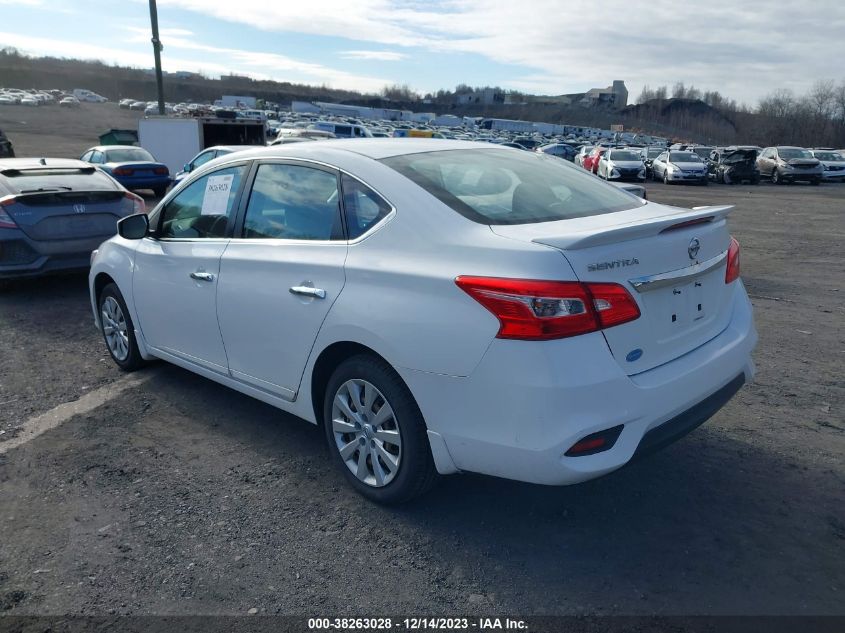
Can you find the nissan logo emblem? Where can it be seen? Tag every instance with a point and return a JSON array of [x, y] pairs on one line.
[[693, 247]]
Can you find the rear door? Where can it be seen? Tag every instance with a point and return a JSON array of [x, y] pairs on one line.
[[177, 272], [675, 271], [281, 274]]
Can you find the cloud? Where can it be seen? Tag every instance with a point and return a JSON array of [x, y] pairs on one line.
[[195, 56], [557, 46], [382, 56]]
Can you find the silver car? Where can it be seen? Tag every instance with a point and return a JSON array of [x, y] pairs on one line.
[[679, 166]]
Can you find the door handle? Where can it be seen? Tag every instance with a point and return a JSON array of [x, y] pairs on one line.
[[200, 276], [308, 291]]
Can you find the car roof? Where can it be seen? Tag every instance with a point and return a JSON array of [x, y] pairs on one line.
[[105, 148], [375, 148], [36, 163]]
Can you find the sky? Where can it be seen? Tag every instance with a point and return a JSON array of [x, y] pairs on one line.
[[743, 48]]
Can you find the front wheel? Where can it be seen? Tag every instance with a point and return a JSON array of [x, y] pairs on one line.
[[776, 180], [817, 182], [376, 432], [665, 177], [118, 331], [159, 192]]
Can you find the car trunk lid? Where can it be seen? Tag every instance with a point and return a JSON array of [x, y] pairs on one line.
[[673, 263], [58, 215]]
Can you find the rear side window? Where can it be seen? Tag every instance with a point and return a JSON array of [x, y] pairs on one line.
[[204, 208], [503, 187], [364, 207], [293, 202], [38, 180]]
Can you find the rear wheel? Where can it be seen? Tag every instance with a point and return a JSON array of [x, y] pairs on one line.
[[376, 432], [118, 331]]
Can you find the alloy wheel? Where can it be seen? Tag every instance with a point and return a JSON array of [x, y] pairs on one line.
[[115, 329], [366, 432]]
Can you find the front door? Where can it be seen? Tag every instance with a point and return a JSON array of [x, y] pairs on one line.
[[177, 270]]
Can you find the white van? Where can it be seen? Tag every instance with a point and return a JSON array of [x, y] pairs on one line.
[[341, 130]]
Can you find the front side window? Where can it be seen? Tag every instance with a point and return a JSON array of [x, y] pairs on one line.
[[364, 207], [205, 208], [503, 187], [202, 159], [293, 202]]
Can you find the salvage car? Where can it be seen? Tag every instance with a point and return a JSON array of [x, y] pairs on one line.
[[733, 165], [591, 161], [648, 155], [54, 212], [583, 152], [621, 164], [679, 166], [133, 167], [785, 164], [833, 164], [436, 306]]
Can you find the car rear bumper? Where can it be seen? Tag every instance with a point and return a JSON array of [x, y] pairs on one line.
[[527, 403], [21, 256], [144, 183]]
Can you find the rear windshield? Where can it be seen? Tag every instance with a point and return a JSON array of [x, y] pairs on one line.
[[37, 180], [497, 187], [128, 155], [788, 153], [684, 157], [624, 155]]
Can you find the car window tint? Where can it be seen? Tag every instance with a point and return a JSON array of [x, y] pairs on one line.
[[293, 202], [504, 187], [364, 207], [202, 159], [204, 208]]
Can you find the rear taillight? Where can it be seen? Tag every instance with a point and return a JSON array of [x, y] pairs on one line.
[[122, 171], [536, 310], [161, 171], [732, 271], [138, 204], [6, 221]]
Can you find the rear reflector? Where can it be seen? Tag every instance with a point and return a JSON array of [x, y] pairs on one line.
[[595, 442], [138, 204], [732, 271], [161, 171], [536, 310], [6, 222]]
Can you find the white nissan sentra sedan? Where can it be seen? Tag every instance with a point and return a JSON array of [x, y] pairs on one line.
[[437, 306]]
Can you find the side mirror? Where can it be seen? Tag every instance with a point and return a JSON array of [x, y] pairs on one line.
[[133, 227], [186, 167]]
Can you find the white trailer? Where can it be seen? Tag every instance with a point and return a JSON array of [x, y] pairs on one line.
[[175, 141], [238, 101]]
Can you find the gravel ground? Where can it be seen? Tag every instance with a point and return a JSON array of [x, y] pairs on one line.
[[183, 497]]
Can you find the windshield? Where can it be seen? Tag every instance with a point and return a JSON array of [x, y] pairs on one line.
[[128, 155], [830, 156], [496, 187], [683, 157], [624, 155], [788, 153]]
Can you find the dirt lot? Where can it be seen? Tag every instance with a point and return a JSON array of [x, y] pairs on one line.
[[180, 496]]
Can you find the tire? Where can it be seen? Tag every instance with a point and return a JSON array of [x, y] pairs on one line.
[[350, 423], [159, 192], [755, 180], [122, 346], [776, 179], [817, 182], [666, 178]]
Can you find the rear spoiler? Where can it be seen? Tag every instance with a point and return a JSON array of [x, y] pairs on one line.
[[636, 230]]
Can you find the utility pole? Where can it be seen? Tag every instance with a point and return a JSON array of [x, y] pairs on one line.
[[157, 48]]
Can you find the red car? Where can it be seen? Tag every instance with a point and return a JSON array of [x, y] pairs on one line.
[[591, 162]]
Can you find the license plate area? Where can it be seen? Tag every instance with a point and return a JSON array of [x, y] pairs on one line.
[[677, 309]]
